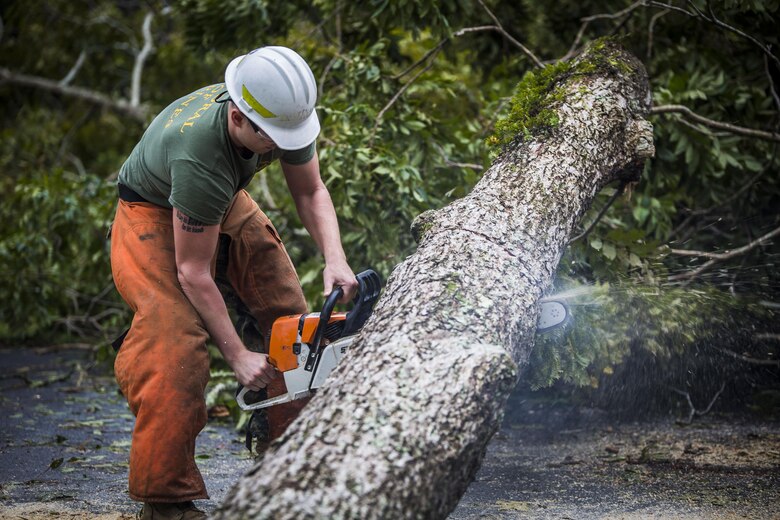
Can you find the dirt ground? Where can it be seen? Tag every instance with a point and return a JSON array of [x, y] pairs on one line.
[[716, 469], [65, 440]]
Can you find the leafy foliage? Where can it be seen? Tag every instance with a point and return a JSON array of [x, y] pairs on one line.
[[613, 320], [53, 255]]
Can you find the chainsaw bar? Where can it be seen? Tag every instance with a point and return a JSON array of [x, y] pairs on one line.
[[552, 315]]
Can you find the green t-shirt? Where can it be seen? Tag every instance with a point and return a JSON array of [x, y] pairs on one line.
[[185, 159]]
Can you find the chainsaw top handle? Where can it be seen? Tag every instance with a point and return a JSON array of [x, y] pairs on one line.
[[369, 287], [327, 310]]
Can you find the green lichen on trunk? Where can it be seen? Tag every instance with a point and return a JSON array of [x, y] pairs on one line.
[[533, 106], [422, 224]]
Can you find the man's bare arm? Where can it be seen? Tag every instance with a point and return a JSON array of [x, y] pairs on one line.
[[195, 244], [315, 208]]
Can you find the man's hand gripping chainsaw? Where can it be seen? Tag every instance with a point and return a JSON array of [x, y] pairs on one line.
[[298, 349]]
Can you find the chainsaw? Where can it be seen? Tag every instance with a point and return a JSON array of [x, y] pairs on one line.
[[306, 348]]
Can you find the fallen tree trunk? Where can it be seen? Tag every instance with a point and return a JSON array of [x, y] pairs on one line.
[[402, 426]]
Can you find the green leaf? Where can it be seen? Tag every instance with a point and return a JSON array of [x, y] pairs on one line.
[[752, 164], [309, 277], [609, 251], [641, 214]]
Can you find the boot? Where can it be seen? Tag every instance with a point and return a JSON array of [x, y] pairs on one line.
[[176, 511]]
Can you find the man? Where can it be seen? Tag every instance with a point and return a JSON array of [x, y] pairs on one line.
[[181, 193]]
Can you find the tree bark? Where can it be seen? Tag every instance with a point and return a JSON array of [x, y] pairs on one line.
[[402, 425]]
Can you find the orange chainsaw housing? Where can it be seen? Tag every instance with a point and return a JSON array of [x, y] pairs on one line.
[[284, 335]]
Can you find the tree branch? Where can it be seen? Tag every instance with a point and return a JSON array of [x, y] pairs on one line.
[[98, 299], [703, 212], [450, 162], [509, 37], [712, 19], [394, 99], [138, 67], [772, 88], [429, 56], [265, 191], [693, 410], [77, 163], [651, 31], [751, 360], [132, 108], [718, 257], [735, 196], [734, 129], [748, 132], [586, 21], [120, 105], [612, 199], [729, 254], [330, 64], [63, 150], [74, 70], [698, 127], [438, 47], [435, 50]]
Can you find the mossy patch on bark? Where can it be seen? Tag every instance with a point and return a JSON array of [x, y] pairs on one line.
[[533, 108]]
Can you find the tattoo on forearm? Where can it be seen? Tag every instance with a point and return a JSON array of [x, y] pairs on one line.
[[189, 223]]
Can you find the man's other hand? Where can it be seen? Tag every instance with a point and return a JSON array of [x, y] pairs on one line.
[[253, 370]]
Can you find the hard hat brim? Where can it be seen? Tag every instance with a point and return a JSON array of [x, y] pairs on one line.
[[294, 137]]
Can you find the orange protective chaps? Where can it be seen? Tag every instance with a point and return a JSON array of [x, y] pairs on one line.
[[163, 365]]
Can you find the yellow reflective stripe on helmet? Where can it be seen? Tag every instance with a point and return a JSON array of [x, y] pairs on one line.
[[255, 104]]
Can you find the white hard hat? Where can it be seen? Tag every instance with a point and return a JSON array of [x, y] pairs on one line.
[[275, 88]]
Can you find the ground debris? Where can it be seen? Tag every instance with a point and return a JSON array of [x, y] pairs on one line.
[[46, 511], [718, 468], [721, 468]]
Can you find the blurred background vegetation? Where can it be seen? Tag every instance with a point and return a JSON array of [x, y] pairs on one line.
[[410, 92]]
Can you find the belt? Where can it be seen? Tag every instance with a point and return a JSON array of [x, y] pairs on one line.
[[128, 195]]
